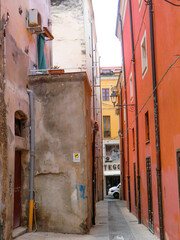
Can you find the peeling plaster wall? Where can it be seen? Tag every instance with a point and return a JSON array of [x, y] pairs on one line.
[[75, 36], [63, 127], [19, 48]]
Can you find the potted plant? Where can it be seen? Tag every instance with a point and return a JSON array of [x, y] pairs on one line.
[[55, 70]]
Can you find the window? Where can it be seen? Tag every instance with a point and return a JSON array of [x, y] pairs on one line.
[[140, 4], [144, 54], [19, 124], [149, 194], [106, 126], [124, 111], [112, 152], [105, 94], [133, 138], [131, 87], [147, 126], [178, 169]]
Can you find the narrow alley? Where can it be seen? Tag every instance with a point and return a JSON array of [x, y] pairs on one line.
[[113, 222]]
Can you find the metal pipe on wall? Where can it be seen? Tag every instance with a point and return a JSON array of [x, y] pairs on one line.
[[125, 93], [94, 139], [122, 150], [156, 121], [136, 114], [31, 183]]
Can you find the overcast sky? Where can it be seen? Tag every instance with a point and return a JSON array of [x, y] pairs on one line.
[[109, 47]]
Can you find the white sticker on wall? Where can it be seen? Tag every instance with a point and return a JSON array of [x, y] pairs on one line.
[[76, 157]]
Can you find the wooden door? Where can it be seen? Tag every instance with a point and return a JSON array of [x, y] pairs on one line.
[[17, 190], [149, 193]]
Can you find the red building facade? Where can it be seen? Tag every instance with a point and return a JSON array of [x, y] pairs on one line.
[[149, 113]]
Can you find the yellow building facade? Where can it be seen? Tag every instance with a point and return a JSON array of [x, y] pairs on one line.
[[110, 128]]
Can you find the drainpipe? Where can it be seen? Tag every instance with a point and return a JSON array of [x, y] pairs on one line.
[[122, 150], [136, 114], [156, 121], [94, 139], [125, 93], [31, 185], [101, 127]]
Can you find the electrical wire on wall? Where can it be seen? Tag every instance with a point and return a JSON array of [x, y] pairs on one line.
[[141, 25], [151, 94], [176, 5]]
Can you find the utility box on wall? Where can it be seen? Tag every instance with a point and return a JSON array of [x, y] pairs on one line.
[[63, 152]]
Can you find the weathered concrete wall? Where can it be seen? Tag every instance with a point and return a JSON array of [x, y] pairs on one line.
[[69, 49], [75, 50], [62, 127], [3, 159], [72, 46]]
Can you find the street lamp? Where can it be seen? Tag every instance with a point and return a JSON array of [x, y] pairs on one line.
[[113, 97]]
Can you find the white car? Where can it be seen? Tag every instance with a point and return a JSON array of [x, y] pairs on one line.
[[114, 191]]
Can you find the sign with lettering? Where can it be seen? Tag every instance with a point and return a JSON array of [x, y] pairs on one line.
[[76, 157], [112, 167]]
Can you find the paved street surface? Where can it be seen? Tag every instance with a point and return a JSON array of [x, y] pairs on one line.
[[113, 222]]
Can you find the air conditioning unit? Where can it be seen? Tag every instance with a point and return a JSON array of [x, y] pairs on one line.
[[34, 21]]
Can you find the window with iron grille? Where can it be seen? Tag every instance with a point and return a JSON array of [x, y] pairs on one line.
[[147, 127], [105, 94], [106, 126], [131, 87], [133, 138], [144, 55], [178, 170]]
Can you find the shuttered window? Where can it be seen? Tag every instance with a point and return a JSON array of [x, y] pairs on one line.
[[105, 94], [106, 126]]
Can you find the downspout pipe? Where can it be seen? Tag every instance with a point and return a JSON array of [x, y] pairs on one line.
[[94, 137], [136, 114], [125, 93], [122, 149], [156, 121], [32, 152], [101, 121]]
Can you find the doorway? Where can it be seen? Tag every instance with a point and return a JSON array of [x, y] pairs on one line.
[[149, 193], [17, 190]]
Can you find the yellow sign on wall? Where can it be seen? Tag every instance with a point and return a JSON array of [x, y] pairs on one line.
[[76, 157]]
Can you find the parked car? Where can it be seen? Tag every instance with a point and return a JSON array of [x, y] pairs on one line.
[[114, 191]]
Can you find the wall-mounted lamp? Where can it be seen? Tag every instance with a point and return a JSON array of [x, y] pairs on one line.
[[113, 97], [120, 133]]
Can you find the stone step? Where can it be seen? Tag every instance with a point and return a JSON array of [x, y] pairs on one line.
[[18, 232]]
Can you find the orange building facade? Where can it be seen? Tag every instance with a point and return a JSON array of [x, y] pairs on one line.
[[149, 113]]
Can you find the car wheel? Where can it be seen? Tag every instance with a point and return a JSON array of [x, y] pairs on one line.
[[116, 195]]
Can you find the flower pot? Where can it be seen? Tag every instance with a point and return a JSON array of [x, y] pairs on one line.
[[55, 71]]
